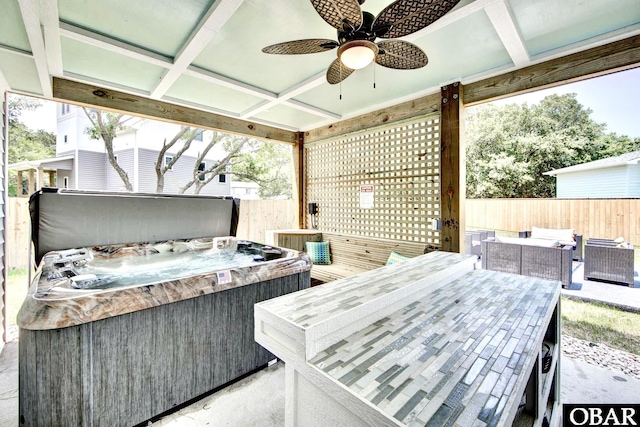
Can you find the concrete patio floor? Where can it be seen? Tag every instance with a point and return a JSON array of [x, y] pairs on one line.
[[618, 295], [258, 400]]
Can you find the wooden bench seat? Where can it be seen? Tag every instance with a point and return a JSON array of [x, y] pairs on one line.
[[351, 255]]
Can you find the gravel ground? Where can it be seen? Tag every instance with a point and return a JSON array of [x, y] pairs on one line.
[[601, 355]]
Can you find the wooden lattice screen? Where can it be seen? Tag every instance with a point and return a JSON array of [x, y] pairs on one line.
[[401, 161]]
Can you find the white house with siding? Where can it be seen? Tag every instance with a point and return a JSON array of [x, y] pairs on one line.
[[610, 178], [136, 149]]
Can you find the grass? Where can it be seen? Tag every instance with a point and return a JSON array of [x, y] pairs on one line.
[[17, 287], [600, 323]]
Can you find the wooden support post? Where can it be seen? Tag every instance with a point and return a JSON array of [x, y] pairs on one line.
[[452, 169], [52, 178], [19, 187], [32, 182], [298, 182], [40, 181]]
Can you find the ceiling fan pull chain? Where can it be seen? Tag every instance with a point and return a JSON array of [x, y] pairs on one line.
[[340, 81], [374, 76]]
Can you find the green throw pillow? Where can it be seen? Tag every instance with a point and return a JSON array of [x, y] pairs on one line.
[[396, 257], [318, 252]]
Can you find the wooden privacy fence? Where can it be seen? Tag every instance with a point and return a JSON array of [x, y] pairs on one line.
[[256, 216], [606, 218], [18, 234]]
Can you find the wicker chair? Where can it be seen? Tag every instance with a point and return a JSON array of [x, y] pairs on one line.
[[603, 260], [552, 263], [472, 242]]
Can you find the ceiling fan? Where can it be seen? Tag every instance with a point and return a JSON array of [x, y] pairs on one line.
[[358, 30]]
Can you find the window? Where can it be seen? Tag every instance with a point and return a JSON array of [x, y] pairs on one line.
[[222, 178], [201, 167], [66, 139], [66, 108], [115, 156], [167, 160], [65, 181], [199, 136]]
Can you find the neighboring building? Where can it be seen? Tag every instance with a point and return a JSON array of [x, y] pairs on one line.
[[136, 149], [610, 178], [245, 190]]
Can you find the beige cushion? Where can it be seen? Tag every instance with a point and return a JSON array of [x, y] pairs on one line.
[[529, 242], [562, 235]]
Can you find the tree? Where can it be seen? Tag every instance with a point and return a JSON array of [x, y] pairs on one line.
[[269, 164], [232, 145], [186, 135], [509, 148], [24, 143], [17, 104], [104, 126]]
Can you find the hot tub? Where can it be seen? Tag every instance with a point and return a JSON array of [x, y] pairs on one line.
[[116, 334], [82, 285]]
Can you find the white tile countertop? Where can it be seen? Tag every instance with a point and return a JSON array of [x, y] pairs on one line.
[[457, 353], [327, 313], [428, 341]]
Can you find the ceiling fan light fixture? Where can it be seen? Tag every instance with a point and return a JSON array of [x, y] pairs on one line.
[[357, 54]]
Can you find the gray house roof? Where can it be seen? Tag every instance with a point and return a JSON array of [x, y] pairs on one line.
[[631, 158]]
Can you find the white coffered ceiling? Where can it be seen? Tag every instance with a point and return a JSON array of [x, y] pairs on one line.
[[206, 54]]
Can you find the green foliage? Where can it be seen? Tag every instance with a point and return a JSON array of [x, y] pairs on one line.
[[105, 125], [17, 104], [24, 143], [509, 148], [269, 164]]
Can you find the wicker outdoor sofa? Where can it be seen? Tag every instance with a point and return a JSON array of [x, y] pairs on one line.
[[558, 236], [553, 263], [604, 259]]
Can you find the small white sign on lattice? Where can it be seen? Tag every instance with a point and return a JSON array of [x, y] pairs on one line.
[[366, 196]]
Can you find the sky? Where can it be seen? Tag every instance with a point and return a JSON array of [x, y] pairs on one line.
[[42, 118], [614, 100]]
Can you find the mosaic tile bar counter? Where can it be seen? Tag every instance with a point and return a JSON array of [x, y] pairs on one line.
[[461, 348]]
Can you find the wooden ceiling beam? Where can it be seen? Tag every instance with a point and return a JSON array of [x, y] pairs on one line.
[[217, 15], [112, 45], [95, 96], [51, 33], [418, 107], [501, 18], [31, 20], [617, 56], [4, 86], [293, 91]]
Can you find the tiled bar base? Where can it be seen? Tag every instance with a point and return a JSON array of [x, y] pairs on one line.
[[460, 349]]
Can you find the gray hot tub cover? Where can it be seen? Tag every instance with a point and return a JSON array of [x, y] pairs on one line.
[[64, 219]]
